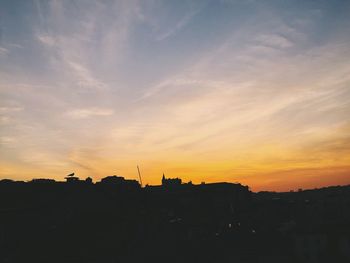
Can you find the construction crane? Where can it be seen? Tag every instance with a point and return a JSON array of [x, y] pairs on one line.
[[138, 169]]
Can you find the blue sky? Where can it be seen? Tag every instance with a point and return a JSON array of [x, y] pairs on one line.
[[207, 90]]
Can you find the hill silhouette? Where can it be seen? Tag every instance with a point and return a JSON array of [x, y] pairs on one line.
[[117, 220]]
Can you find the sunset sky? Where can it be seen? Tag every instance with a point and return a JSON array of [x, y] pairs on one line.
[[256, 92]]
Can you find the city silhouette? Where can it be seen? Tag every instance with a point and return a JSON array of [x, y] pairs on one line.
[[117, 220]]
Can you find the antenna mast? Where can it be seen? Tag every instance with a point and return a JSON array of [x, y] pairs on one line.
[[138, 169]]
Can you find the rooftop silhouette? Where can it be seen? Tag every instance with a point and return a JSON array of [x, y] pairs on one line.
[[117, 220]]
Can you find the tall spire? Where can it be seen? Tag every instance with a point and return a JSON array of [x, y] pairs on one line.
[[163, 179]]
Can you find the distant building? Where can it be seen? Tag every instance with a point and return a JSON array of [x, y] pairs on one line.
[[88, 180], [171, 182], [42, 181], [119, 182]]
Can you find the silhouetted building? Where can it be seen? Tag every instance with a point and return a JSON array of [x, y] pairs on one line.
[[116, 220], [119, 182], [88, 180], [42, 181], [171, 182]]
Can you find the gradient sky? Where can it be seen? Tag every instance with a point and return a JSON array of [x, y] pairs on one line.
[[256, 92]]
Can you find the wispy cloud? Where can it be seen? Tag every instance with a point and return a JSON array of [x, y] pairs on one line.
[[3, 51], [179, 25], [89, 112], [7, 140], [274, 40], [230, 87], [46, 40], [84, 77], [10, 109]]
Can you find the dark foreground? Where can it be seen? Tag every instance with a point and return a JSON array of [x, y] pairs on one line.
[[118, 221]]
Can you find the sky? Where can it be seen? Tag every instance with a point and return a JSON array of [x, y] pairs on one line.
[[256, 92]]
